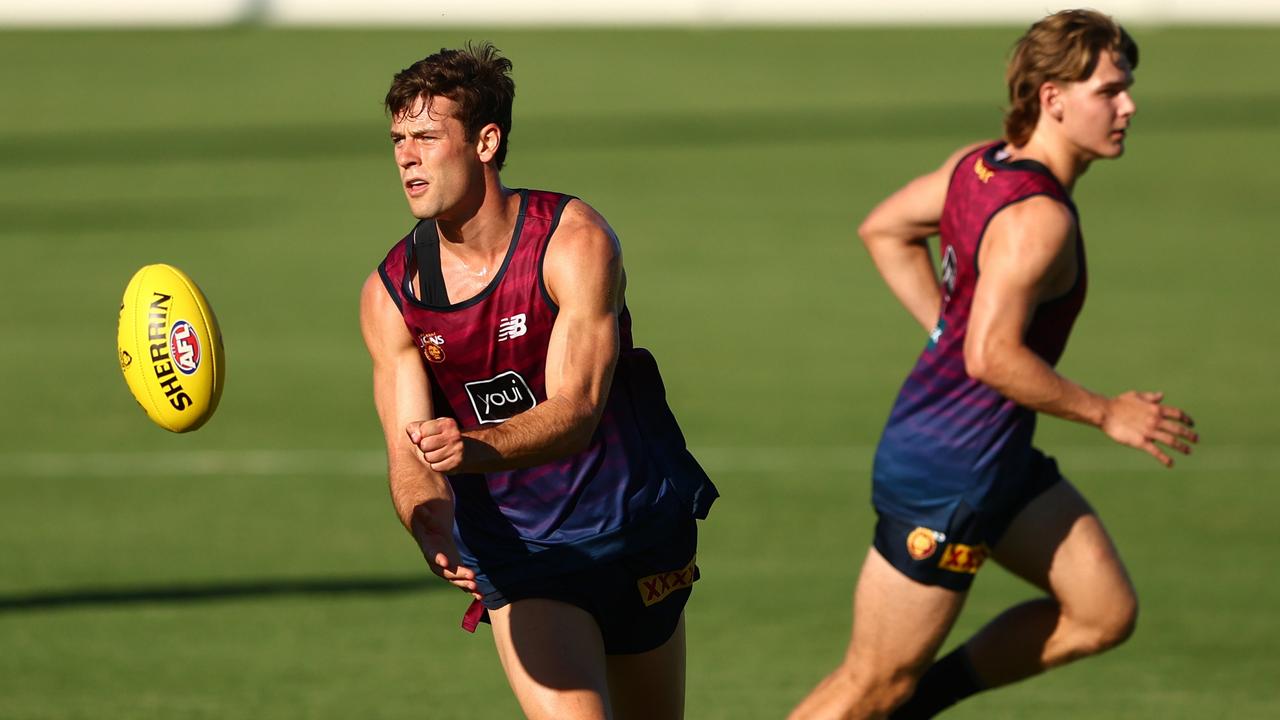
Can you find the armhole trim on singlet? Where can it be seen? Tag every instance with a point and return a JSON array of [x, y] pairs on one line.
[[390, 286], [542, 258]]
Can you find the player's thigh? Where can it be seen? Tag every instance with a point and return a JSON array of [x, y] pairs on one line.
[[898, 623], [650, 685], [1058, 543], [553, 655]]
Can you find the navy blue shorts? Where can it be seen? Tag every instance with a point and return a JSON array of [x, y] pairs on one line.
[[951, 556], [636, 600]]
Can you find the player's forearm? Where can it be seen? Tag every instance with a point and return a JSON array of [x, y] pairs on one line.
[[554, 429], [414, 486], [905, 265], [1022, 376]]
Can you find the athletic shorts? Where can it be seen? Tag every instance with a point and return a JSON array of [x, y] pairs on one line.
[[636, 599], [950, 556]]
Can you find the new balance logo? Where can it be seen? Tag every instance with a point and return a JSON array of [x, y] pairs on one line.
[[512, 327]]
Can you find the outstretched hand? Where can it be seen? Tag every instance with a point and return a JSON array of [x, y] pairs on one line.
[[432, 527], [1139, 420]]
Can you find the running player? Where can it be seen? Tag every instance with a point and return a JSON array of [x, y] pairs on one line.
[[956, 479], [531, 451]]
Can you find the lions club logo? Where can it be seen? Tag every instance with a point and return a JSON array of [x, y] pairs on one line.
[[432, 344], [184, 346], [921, 543]]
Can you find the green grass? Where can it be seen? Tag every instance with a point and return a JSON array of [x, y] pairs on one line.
[[734, 165]]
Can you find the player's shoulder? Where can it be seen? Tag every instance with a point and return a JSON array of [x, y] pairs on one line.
[[372, 288], [579, 216], [1036, 221], [375, 298], [582, 229], [1045, 209]]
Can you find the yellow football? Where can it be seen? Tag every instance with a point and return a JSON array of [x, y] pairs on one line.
[[170, 348]]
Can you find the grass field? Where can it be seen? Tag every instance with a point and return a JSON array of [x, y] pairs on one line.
[[255, 569]]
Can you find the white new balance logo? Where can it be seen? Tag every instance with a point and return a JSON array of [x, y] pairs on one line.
[[512, 327]]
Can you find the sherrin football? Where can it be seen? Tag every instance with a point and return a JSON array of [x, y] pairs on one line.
[[170, 348]]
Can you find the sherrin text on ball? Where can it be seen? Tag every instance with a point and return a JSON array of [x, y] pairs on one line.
[[170, 348]]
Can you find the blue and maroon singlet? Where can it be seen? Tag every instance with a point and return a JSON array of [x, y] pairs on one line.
[[951, 438], [485, 357]]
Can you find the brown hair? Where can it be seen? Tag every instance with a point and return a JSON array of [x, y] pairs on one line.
[[476, 77], [1063, 47]]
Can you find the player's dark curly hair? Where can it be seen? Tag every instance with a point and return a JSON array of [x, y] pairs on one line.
[[1063, 47], [477, 78]]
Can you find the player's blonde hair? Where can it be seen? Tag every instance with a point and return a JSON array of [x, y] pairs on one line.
[[1063, 47]]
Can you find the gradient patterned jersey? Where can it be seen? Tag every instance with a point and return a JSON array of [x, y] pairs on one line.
[[950, 437], [486, 358]]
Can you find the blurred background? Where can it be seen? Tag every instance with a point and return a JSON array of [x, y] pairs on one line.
[[255, 568]]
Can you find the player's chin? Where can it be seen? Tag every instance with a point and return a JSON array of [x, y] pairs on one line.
[[1107, 151], [422, 210]]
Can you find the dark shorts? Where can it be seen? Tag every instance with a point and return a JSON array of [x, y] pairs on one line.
[[636, 600], [950, 556]]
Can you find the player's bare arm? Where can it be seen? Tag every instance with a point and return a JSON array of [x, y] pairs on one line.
[[583, 273], [1028, 257], [422, 497], [896, 233]]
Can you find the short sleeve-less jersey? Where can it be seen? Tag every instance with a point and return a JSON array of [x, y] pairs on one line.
[[486, 359], [950, 437]]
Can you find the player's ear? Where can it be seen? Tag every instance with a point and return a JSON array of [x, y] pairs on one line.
[[488, 140], [1051, 100]]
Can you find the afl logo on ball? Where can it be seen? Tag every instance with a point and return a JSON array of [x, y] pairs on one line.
[[184, 346]]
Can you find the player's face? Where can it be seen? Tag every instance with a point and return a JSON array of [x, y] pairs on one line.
[[1097, 111], [439, 168]]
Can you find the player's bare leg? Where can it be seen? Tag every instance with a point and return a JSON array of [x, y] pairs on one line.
[[898, 625], [650, 685], [1058, 544], [554, 659]]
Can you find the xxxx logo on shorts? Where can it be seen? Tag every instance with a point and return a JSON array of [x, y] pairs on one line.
[[964, 558], [922, 543], [655, 588]]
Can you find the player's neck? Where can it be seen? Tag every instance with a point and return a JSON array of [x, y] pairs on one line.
[[486, 231], [1063, 160]]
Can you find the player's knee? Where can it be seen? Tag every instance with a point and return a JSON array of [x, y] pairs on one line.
[[1105, 630], [897, 691], [1121, 622], [878, 687]]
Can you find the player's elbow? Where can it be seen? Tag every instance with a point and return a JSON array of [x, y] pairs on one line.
[[865, 229], [870, 231], [982, 361], [582, 418]]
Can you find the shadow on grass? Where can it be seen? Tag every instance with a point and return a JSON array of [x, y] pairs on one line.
[[211, 592]]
